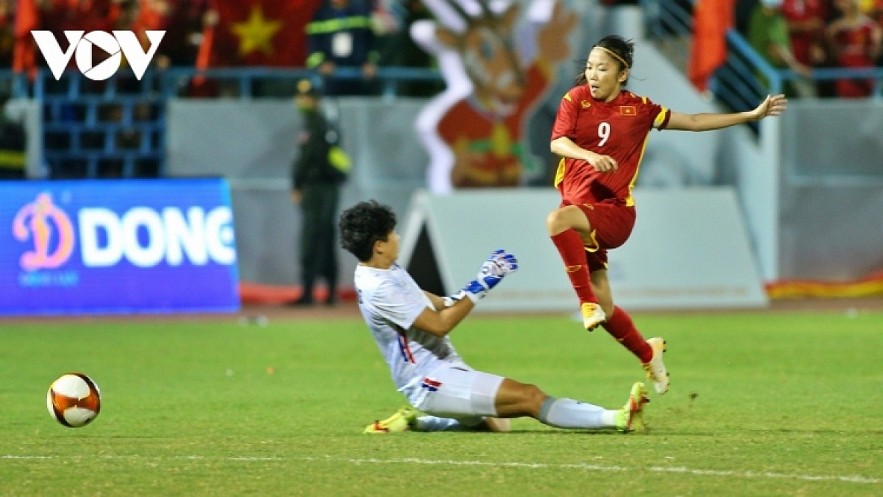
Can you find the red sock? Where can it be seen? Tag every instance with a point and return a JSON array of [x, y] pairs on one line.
[[621, 327], [573, 253]]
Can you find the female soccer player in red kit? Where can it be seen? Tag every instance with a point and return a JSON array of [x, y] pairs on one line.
[[600, 133]]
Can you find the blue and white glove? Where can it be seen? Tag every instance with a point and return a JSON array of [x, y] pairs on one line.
[[498, 265]]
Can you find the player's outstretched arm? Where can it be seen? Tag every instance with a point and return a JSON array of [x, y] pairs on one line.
[[772, 105], [455, 307], [443, 320], [437, 302]]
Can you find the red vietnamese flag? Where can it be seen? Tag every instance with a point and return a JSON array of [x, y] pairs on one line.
[[27, 18], [258, 33], [711, 20]]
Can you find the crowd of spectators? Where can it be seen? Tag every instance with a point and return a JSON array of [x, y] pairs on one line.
[[798, 34], [805, 35], [376, 30], [181, 19]]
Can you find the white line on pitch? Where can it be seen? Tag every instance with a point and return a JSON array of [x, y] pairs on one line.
[[444, 462], [599, 467]]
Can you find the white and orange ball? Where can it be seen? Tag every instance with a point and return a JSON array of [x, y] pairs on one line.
[[73, 400]]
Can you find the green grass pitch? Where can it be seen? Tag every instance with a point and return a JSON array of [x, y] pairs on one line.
[[762, 404]]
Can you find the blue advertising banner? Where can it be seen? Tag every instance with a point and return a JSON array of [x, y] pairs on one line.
[[117, 246]]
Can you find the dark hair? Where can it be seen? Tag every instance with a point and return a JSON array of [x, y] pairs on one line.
[[363, 224], [620, 50]]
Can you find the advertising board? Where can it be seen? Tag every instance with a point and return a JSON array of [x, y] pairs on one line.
[[117, 246]]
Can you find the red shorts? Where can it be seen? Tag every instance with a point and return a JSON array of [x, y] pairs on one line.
[[612, 223]]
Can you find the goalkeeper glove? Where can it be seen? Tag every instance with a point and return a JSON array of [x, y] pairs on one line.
[[498, 265]]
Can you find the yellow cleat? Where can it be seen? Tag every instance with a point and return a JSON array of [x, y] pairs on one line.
[[593, 315], [402, 420], [632, 413], [655, 369]]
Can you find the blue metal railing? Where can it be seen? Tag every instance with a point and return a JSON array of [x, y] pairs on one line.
[[245, 80], [739, 82], [170, 82], [95, 129], [745, 77]]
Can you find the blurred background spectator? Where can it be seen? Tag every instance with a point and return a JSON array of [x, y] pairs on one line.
[[398, 49], [341, 34], [7, 32], [768, 35], [854, 40], [806, 29], [183, 22]]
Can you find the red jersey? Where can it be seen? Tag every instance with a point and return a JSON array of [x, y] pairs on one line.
[[854, 46], [619, 128], [804, 12]]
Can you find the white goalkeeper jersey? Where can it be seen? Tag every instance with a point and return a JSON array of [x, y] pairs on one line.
[[390, 301]]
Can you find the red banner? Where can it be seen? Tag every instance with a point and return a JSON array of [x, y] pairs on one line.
[[27, 18], [258, 33], [711, 20]]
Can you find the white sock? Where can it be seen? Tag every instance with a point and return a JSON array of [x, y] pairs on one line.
[[608, 417], [570, 413], [434, 423]]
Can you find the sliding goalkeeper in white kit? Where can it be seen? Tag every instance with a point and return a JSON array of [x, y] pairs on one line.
[[411, 328]]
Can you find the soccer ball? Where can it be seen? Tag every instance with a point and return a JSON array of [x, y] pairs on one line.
[[73, 400]]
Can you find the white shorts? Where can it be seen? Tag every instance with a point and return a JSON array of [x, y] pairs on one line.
[[456, 391]]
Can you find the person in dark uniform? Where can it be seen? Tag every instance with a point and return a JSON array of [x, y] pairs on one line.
[[317, 175], [340, 34]]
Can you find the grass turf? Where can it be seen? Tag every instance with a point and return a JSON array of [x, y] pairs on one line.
[[761, 404]]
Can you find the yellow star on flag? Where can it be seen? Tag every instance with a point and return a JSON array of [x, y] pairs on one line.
[[256, 33]]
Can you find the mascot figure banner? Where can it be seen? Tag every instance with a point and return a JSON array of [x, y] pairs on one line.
[[495, 75]]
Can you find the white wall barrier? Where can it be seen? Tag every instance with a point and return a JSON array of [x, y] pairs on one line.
[[689, 249]]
